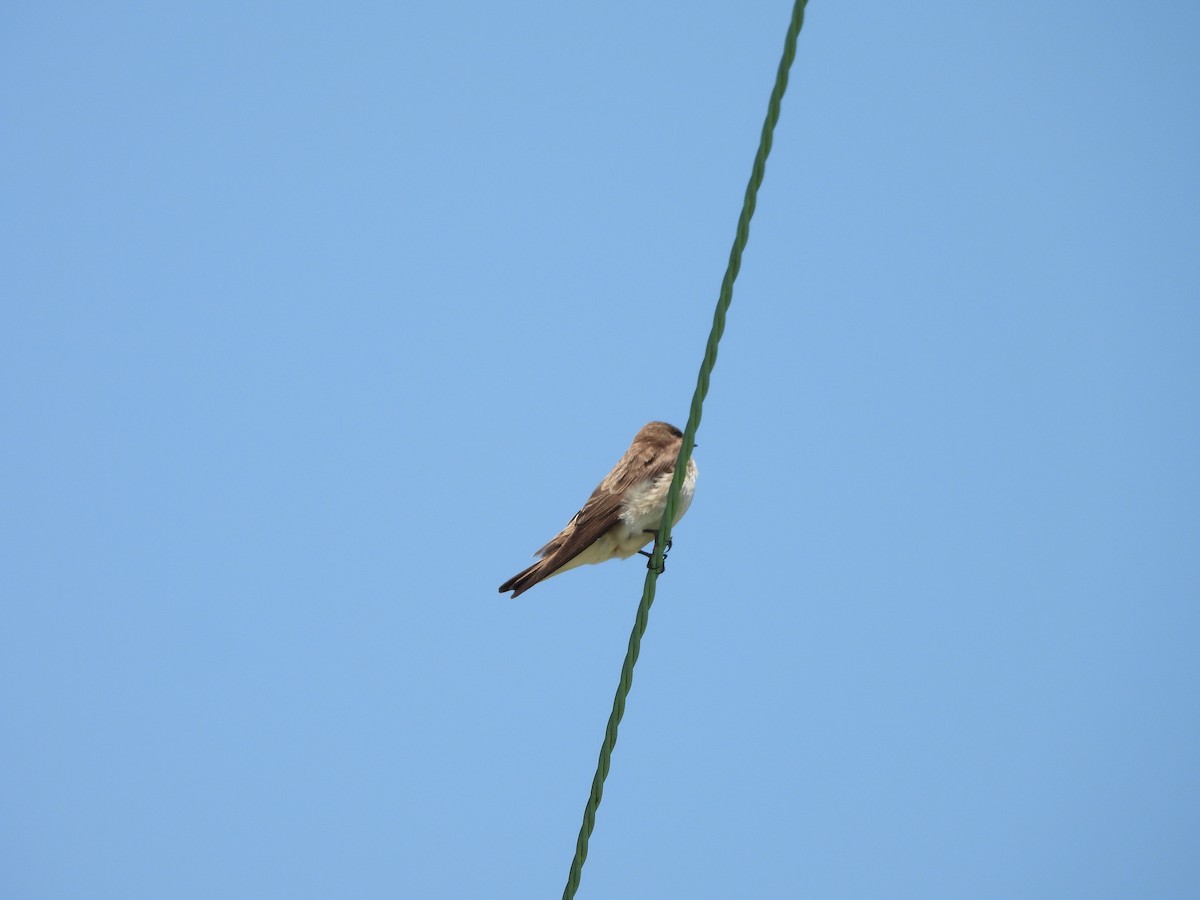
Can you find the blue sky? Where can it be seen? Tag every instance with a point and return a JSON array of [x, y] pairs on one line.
[[318, 320]]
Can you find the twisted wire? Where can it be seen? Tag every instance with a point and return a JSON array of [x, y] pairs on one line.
[[685, 453]]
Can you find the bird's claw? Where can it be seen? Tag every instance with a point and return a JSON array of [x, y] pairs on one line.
[[650, 555]]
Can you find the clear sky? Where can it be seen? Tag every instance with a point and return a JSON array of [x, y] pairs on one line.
[[318, 319]]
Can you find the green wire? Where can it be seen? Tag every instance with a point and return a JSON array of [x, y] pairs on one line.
[[685, 452]]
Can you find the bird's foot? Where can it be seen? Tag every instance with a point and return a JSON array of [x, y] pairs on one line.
[[650, 556]]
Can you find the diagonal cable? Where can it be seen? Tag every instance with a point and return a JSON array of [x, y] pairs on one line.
[[685, 452]]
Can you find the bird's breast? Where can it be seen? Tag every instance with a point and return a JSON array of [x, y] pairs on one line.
[[643, 505]]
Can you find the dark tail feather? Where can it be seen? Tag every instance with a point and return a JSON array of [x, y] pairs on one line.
[[523, 581]]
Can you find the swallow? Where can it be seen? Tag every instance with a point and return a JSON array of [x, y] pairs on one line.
[[624, 512]]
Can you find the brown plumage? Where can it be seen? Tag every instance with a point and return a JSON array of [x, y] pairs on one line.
[[619, 517]]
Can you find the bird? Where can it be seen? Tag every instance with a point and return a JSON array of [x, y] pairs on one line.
[[624, 512]]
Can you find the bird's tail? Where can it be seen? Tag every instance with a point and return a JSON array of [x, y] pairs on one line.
[[523, 581]]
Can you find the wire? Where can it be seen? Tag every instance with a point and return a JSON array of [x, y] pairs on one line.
[[685, 453]]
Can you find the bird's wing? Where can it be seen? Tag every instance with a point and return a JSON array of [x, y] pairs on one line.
[[603, 509]]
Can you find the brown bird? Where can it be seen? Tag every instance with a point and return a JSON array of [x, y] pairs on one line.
[[624, 512]]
